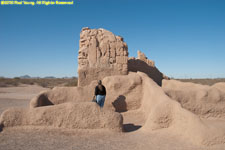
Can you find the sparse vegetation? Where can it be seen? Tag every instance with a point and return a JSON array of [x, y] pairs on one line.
[[51, 82], [203, 81], [44, 82]]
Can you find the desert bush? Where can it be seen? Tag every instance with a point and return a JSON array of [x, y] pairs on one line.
[[43, 84], [6, 82], [3, 84], [72, 82]]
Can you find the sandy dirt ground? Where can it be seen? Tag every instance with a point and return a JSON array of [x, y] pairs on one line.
[[31, 138], [18, 96]]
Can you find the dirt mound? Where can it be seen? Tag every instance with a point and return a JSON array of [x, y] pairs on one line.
[[123, 93], [220, 86], [67, 115], [59, 95], [163, 112], [203, 100]]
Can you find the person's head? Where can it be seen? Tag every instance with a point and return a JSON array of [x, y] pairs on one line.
[[99, 82]]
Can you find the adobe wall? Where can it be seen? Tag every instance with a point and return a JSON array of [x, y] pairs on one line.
[[101, 54]]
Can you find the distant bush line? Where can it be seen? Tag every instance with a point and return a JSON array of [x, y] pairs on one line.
[[52, 82], [203, 81], [44, 82]]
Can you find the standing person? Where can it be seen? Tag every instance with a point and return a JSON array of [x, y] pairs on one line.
[[100, 94]]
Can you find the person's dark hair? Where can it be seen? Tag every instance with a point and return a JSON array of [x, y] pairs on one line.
[[100, 87], [99, 82]]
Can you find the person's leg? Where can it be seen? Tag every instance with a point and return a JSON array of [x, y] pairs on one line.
[[102, 101], [98, 100]]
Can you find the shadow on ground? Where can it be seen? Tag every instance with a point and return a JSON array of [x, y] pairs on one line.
[[120, 104], [130, 127], [1, 127]]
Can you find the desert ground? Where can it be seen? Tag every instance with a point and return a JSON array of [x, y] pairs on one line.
[[14, 138]]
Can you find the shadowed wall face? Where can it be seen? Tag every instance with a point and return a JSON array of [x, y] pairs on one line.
[[135, 65]]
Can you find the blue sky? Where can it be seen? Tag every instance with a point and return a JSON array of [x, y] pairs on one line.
[[186, 38]]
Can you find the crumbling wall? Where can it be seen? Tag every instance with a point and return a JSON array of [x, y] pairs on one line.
[[70, 115], [101, 54], [141, 56], [143, 64], [203, 100]]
